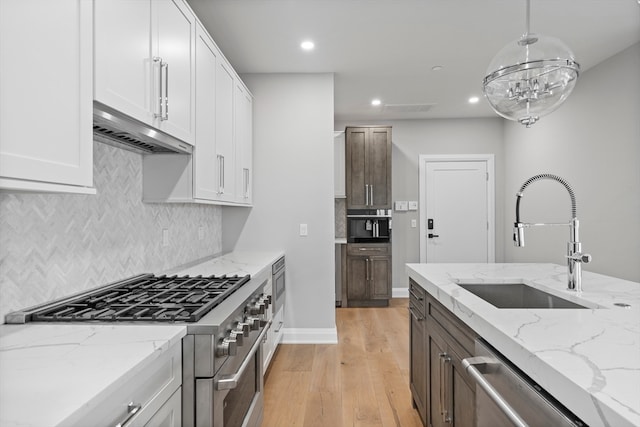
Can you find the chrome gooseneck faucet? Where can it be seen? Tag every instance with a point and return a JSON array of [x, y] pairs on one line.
[[575, 257]]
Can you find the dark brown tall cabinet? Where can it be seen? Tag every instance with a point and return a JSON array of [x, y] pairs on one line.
[[368, 162], [368, 190]]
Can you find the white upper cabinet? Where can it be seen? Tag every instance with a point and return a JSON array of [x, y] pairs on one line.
[[224, 131], [46, 139], [243, 105], [206, 174], [145, 62], [219, 171]]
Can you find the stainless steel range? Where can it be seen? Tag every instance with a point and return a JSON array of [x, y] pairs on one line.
[[225, 320]]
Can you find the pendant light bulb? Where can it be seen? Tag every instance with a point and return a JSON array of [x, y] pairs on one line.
[[530, 77]]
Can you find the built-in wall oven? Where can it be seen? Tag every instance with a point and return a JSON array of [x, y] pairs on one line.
[[222, 384], [369, 225]]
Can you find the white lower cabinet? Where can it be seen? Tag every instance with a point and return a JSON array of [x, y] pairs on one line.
[[46, 141], [150, 397]]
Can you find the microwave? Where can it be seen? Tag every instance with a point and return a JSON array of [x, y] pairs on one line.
[[369, 225]]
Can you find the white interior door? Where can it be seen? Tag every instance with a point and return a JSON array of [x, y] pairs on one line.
[[457, 209]]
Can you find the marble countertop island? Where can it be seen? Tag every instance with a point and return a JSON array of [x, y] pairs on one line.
[[588, 359]]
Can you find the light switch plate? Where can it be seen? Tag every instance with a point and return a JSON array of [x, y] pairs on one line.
[[413, 205], [414, 223], [304, 230], [401, 206]]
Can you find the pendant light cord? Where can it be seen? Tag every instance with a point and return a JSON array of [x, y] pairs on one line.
[[526, 34]]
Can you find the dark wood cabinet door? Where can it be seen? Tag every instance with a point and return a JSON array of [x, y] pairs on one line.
[[379, 167], [357, 278], [380, 277], [356, 148], [418, 362], [437, 378]]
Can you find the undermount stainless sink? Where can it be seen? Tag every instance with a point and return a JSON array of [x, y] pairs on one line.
[[517, 295]]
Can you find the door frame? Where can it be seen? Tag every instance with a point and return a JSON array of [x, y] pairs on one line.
[[491, 197]]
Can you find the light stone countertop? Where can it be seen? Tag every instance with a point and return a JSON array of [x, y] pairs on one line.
[[51, 372], [588, 359]]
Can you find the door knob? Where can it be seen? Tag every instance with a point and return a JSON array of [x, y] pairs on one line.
[[431, 235]]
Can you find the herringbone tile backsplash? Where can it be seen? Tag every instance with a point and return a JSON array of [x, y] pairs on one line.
[[53, 245]]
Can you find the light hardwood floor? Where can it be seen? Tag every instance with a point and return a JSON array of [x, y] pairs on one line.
[[363, 380]]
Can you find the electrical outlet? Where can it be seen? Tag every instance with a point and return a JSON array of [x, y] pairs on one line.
[[165, 237], [201, 233], [304, 230], [414, 223]]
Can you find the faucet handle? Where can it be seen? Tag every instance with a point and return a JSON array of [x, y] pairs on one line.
[[579, 257]]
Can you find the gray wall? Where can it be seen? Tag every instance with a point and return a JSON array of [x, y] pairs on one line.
[[293, 184], [593, 141], [445, 136], [53, 245]]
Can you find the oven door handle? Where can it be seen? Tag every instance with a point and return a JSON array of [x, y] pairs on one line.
[[229, 382]]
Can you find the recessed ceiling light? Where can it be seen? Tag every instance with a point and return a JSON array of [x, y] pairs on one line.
[[474, 100], [376, 102], [307, 45], [437, 68]]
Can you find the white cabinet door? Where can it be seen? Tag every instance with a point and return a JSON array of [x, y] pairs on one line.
[[123, 57], [206, 165], [144, 62], [224, 131], [174, 37], [243, 141], [46, 141]]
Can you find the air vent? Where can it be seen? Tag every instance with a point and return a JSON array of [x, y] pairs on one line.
[[128, 141], [407, 108]]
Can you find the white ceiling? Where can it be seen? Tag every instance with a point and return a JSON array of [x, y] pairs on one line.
[[386, 48]]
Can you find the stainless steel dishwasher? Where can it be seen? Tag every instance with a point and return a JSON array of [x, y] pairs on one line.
[[505, 396]]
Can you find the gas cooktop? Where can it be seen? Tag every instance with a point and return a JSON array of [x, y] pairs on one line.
[[144, 298]]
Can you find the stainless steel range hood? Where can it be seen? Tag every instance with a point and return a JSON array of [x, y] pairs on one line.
[[118, 129]]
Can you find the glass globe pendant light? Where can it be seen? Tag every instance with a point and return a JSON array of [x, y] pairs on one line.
[[530, 77]]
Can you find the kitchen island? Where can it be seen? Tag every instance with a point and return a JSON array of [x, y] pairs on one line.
[[588, 359]]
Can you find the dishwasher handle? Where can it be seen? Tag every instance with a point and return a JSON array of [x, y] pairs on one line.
[[471, 365]]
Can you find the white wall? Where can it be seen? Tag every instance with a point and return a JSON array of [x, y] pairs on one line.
[[444, 136], [293, 184], [593, 141]]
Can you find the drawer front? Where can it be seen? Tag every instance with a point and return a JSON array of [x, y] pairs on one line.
[[462, 333], [370, 249], [150, 389]]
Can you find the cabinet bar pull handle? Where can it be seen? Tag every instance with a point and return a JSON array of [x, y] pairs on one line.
[[132, 409], [158, 113], [416, 296], [469, 365], [444, 387], [371, 197], [416, 316], [366, 194], [166, 92]]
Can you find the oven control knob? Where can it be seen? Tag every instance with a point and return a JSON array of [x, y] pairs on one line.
[[268, 297], [266, 300], [227, 347], [238, 336], [244, 328], [254, 323], [258, 308]]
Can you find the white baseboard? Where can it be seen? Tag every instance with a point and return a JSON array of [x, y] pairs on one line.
[[309, 336], [400, 292]]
